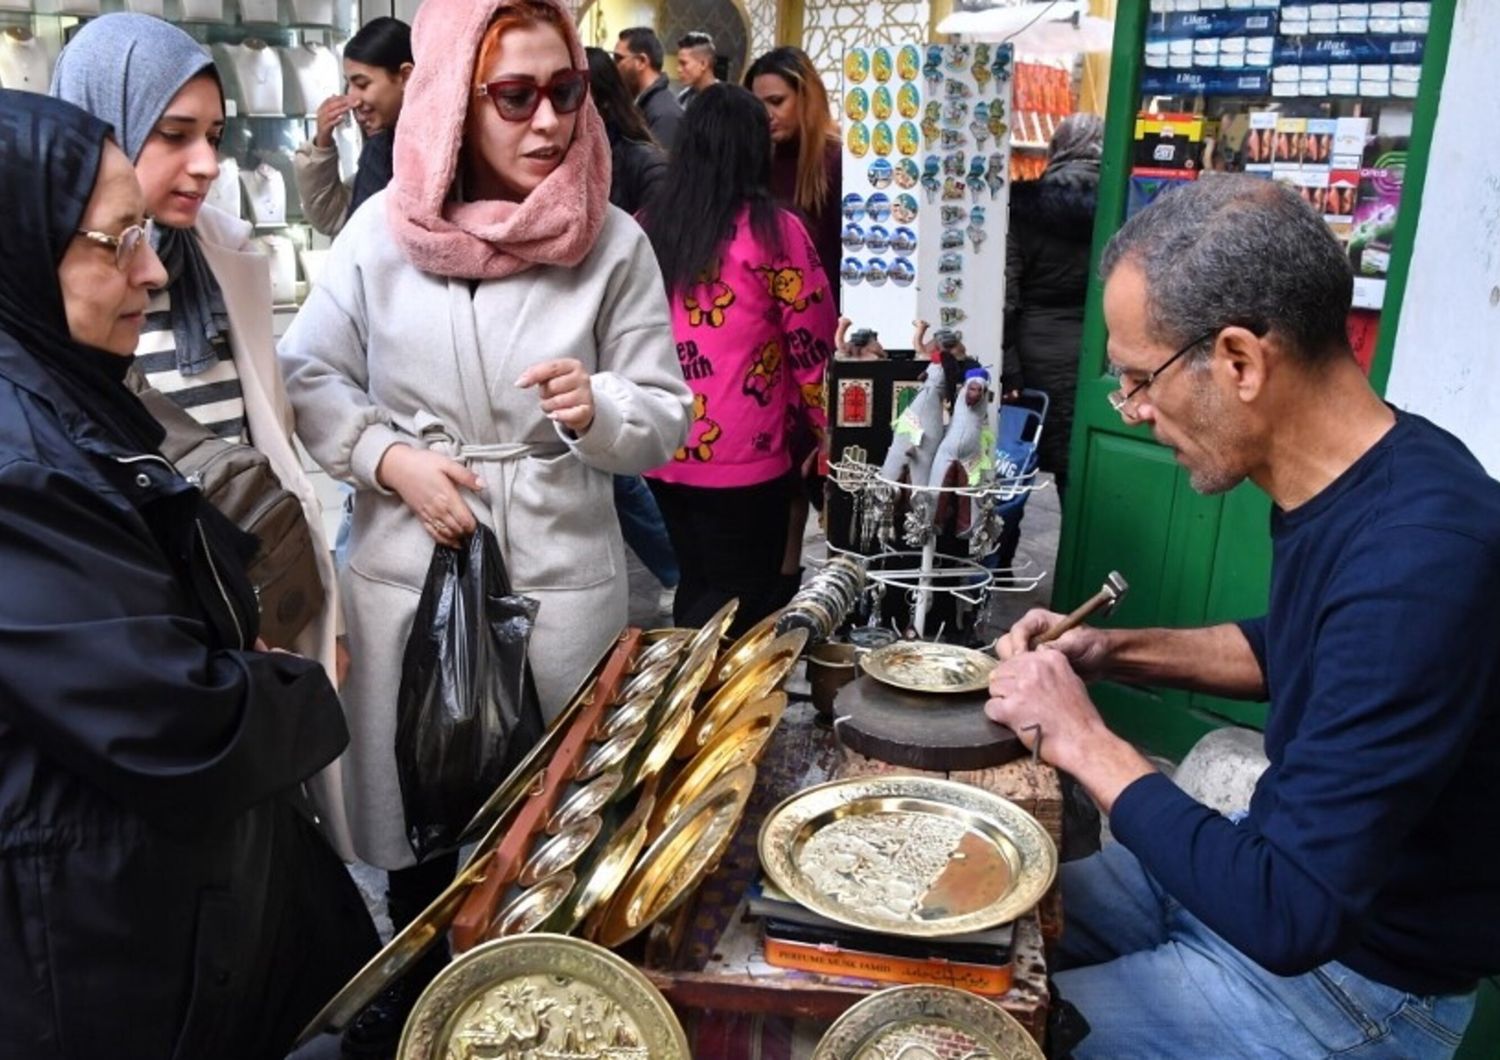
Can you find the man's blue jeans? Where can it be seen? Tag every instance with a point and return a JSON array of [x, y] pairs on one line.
[[643, 529], [1155, 983]]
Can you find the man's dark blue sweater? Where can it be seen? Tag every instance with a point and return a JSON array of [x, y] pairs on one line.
[[1374, 837]]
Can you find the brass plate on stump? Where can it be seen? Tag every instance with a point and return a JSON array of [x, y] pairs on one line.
[[926, 1023], [742, 741], [744, 649], [919, 666], [541, 996], [533, 905], [908, 855], [599, 879], [559, 852], [678, 859], [757, 679]]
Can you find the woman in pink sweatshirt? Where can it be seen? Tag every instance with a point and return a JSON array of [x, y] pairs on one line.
[[754, 322]]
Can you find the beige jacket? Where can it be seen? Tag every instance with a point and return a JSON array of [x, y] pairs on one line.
[[244, 275], [325, 197]]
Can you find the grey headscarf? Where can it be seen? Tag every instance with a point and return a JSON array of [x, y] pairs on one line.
[[1076, 147], [125, 69]]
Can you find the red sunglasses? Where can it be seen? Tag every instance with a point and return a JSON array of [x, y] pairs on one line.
[[516, 98]]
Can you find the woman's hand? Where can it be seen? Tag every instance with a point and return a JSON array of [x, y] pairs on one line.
[[566, 393], [427, 482], [330, 112]]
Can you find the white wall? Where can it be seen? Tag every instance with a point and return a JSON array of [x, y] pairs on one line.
[[1447, 357]]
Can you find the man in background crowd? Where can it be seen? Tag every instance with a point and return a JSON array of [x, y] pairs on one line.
[[695, 66], [638, 55]]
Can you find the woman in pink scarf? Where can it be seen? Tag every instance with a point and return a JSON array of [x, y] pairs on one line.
[[489, 343], [754, 321]]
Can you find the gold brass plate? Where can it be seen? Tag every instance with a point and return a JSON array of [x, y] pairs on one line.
[[655, 754], [668, 646], [542, 996], [673, 865], [647, 681], [758, 678], [926, 1023], [744, 649], [630, 713], [610, 754], [908, 855], [599, 880], [741, 741], [585, 802], [560, 851], [919, 666], [714, 629], [533, 905]]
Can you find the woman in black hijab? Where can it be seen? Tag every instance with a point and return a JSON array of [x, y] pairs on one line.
[[161, 894]]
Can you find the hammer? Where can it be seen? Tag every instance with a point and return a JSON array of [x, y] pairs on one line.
[[1104, 601]]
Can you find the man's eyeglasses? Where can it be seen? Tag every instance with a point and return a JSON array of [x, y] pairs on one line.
[[516, 99], [1123, 401], [126, 244]]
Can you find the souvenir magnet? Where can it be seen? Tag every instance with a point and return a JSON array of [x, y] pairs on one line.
[[880, 103], [880, 64], [902, 272], [904, 209], [855, 402]]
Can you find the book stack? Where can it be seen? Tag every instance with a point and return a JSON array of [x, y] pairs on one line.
[[795, 937]]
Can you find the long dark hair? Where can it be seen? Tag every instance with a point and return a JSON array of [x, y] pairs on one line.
[[720, 165], [384, 42], [816, 128], [616, 105]]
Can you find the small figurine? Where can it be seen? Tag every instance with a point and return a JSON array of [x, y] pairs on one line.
[[860, 344]]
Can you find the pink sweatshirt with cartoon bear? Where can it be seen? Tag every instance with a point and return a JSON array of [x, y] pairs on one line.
[[752, 340]]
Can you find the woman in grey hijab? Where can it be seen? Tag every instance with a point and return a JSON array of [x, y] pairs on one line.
[[207, 342]]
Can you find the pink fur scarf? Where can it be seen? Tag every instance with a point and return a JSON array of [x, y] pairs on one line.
[[557, 224]]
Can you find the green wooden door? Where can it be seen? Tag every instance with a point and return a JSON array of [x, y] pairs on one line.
[[1190, 560]]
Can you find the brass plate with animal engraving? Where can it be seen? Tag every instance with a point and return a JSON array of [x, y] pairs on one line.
[[926, 1023], [741, 741], [758, 678], [918, 666], [908, 855], [542, 996], [673, 865]]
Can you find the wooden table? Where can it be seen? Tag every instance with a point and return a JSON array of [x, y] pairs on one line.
[[709, 957]]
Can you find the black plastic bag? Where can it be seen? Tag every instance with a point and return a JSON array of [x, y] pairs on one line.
[[467, 710]]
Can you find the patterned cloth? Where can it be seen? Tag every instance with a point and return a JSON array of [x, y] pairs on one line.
[[753, 338]]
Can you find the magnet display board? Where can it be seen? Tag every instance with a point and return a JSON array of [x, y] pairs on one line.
[[926, 191]]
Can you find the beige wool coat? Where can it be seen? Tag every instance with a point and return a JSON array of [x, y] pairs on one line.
[[384, 354], [244, 275]]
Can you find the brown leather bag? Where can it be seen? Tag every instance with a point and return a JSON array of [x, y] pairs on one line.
[[237, 479]]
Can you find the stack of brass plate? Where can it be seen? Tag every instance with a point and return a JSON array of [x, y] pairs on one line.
[[908, 855], [926, 1023], [542, 996], [760, 675], [741, 741]]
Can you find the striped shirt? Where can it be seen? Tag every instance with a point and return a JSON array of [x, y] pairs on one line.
[[212, 397]]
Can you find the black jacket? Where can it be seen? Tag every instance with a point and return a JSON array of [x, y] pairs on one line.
[[663, 112], [159, 894], [1046, 281], [638, 169]]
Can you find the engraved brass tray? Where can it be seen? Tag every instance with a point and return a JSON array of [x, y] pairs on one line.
[[757, 679], [926, 1023], [741, 741], [542, 996], [908, 855], [744, 649], [678, 859], [919, 666]]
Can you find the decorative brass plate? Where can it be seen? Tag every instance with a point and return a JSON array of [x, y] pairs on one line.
[[744, 649], [926, 1023], [654, 753], [610, 754], [533, 905], [668, 646], [542, 996], [741, 741], [585, 802], [757, 679], [908, 855], [688, 681], [919, 666], [599, 879], [625, 716], [714, 629], [560, 851], [647, 681], [674, 864]]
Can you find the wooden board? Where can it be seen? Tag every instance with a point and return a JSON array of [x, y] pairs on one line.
[[936, 733]]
